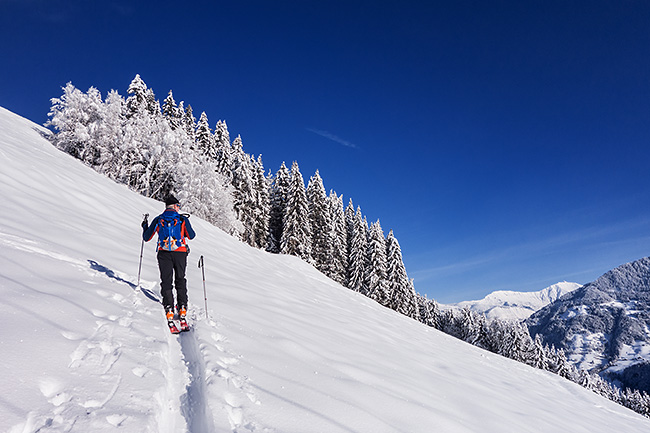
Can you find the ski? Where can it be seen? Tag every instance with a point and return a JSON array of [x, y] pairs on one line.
[[182, 311], [177, 323], [172, 327], [184, 326]]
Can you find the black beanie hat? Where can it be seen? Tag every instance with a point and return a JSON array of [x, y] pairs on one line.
[[170, 200]]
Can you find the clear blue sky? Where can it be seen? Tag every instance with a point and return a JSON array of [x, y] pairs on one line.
[[506, 143]]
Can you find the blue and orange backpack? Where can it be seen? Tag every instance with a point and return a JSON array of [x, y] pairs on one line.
[[171, 233]]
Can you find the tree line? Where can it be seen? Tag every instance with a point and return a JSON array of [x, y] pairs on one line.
[[157, 150]]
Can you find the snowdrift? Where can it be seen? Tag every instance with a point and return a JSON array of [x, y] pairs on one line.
[[284, 349]]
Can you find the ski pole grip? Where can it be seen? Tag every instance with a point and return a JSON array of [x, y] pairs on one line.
[[201, 262]]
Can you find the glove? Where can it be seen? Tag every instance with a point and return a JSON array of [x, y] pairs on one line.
[[145, 225]]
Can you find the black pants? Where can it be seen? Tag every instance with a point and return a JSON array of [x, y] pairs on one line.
[[172, 266]]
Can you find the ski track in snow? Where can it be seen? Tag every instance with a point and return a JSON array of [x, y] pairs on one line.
[[194, 405], [186, 370], [213, 382], [187, 366], [185, 392]]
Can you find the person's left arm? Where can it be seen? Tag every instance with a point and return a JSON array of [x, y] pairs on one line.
[[189, 231]]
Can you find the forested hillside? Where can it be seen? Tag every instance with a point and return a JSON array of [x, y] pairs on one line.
[[159, 149]]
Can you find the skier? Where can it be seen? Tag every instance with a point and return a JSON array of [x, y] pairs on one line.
[[173, 231]]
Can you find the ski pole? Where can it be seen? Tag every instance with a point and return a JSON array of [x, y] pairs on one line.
[[205, 295], [141, 251]]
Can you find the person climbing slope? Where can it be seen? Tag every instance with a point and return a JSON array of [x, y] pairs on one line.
[[173, 229]]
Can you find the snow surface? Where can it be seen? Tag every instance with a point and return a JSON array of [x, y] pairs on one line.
[[284, 350], [517, 306]]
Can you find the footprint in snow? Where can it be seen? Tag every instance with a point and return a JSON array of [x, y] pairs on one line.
[[116, 420], [140, 371]]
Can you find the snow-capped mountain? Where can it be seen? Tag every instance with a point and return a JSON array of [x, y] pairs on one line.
[[511, 305], [603, 326], [282, 349]]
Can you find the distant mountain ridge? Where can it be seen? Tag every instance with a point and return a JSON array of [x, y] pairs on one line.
[[604, 325], [517, 306]]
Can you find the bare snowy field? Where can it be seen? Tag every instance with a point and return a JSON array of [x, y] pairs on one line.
[[284, 350]]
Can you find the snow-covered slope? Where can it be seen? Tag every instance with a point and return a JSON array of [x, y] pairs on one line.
[[510, 305], [285, 349]]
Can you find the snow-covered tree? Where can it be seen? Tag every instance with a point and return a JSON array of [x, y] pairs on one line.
[[349, 226], [403, 296], [189, 124], [77, 116], [279, 198], [262, 205], [223, 150], [358, 257], [557, 362], [321, 225], [171, 111], [141, 99], [296, 236], [243, 182], [428, 312], [131, 143], [204, 139], [339, 238], [207, 194], [112, 134], [376, 284]]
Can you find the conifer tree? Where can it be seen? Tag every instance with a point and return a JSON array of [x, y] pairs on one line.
[[539, 352], [136, 101], [559, 364], [261, 204], [428, 312], [239, 157], [243, 182], [143, 139], [296, 236], [224, 152], [141, 100], [349, 226], [339, 238], [358, 253], [204, 139], [279, 197], [467, 326], [403, 296], [171, 111], [189, 124], [321, 225], [482, 337], [376, 283]]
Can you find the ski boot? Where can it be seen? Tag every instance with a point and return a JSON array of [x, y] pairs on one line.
[[182, 312], [169, 314]]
